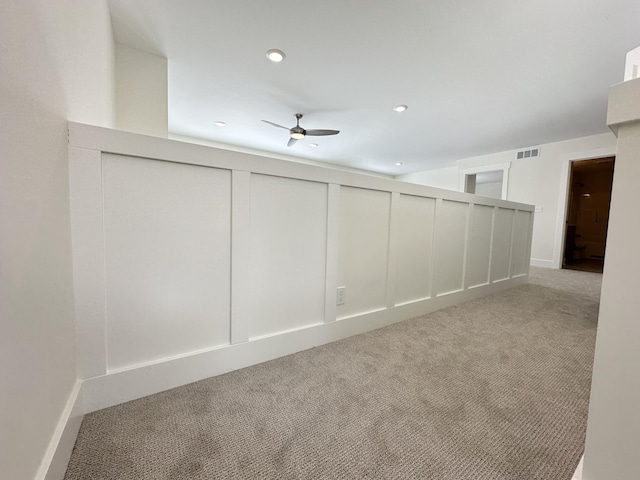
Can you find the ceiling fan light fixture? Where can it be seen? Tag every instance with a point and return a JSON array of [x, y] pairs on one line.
[[400, 108], [298, 133], [275, 55]]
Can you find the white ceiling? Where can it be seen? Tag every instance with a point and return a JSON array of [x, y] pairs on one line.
[[479, 76]]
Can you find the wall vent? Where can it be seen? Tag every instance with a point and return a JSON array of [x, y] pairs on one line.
[[530, 152]]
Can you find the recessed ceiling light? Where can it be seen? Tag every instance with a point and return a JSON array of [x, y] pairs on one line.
[[400, 108], [275, 55], [398, 164], [313, 145], [220, 124]]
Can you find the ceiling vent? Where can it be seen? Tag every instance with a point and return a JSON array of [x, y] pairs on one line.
[[530, 152]]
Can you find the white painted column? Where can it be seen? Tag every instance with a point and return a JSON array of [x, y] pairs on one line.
[[613, 431]]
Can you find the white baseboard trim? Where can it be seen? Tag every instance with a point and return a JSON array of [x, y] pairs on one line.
[[55, 461], [139, 381], [578, 474], [538, 262]]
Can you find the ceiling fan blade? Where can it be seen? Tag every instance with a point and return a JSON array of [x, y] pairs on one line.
[[318, 133], [275, 124], [292, 142]]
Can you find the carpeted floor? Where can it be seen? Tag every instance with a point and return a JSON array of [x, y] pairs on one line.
[[496, 389]]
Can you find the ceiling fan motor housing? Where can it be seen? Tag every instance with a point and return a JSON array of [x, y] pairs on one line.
[[297, 132]]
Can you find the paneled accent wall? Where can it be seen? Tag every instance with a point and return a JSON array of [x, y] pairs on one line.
[[521, 233], [414, 248], [479, 251], [451, 241], [288, 254], [502, 241], [209, 260], [167, 230], [363, 249]]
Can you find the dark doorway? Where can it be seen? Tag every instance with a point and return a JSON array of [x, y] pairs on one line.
[[588, 214]]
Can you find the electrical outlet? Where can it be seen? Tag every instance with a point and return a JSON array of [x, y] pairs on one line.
[[341, 296], [538, 209]]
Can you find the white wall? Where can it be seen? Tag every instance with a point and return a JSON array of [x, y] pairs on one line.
[[55, 63], [141, 92], [489, 189], [80, 48], [540, 181], [613, 431], [446, 178]]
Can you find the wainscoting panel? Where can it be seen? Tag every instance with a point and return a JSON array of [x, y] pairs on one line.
[[167, 258], [288, 254], [414, 249], [363, 249], [451, 224], [501, 251], [479, 254], [521, 233]]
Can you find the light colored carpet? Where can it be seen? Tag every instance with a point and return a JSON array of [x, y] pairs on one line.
[[496, 389]]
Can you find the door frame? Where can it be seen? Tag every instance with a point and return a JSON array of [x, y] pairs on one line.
[[563, 194], [463, 172]]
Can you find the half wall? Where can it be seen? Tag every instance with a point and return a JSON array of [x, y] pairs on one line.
[[191, 261]]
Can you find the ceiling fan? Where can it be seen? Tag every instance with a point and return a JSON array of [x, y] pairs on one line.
[[298, 132]]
